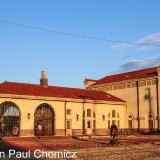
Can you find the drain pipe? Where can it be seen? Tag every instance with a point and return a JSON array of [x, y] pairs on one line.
[[138, 118], [65, 108], [157, 90]]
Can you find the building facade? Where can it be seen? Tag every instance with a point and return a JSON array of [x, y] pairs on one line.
[[40, 109], [140, 89]]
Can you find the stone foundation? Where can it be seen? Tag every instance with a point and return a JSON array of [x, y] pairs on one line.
[[77, 132], [74, 132], [59, 132], [27, 133], [101, 131]]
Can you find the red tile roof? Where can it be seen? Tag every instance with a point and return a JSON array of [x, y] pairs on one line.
[[128, 76], [54, 91]]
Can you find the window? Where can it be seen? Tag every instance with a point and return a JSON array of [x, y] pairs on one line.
[[9, 119], [128, 85], [113, 118], [89, 124], [116, 87], [94, 124], [129, 116], [107, 88], [109, 125], [142, 83], [113, 122], [89, 120], [122, 86], [68, 124], [68, 111], [109, 115], [118, 124], [88, 112], [94, 115], [153, 82], [134, 84], [113, 113], [149, 83]]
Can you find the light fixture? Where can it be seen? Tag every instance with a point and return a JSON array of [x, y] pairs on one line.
[[77, 116], [103, 116], [28, 115]]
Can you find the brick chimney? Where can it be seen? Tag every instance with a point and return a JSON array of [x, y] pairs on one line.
[[43, 80]]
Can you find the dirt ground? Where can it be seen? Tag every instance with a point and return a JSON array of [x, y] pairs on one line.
[[124, 148], [121, 152]]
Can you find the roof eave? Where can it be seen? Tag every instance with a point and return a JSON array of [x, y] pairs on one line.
[[15, 96]]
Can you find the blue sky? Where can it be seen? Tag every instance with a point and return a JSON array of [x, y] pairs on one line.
[[68, 60]]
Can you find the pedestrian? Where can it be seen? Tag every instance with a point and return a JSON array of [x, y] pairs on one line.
[[113, 131]]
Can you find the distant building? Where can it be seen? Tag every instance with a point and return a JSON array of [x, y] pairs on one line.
[[40, 109], [141, 91]]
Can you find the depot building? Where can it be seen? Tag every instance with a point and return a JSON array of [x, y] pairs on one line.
[[26, 109], [130, 100]]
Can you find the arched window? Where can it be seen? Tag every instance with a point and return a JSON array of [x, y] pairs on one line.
[[9, 119], [113, 118], [44, 120]]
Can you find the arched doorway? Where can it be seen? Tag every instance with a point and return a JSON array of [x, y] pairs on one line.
[[44, 120], [9, 119], [151, 121], [130, 121]]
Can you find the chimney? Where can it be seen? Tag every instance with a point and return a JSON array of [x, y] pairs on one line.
[[44, 80]]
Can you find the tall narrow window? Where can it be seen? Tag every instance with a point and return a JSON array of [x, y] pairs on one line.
[[109, 115], [94, 124], [68, 124], [118, 123], [113, 113], [109, 124], [94, 115], [88, 112]]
